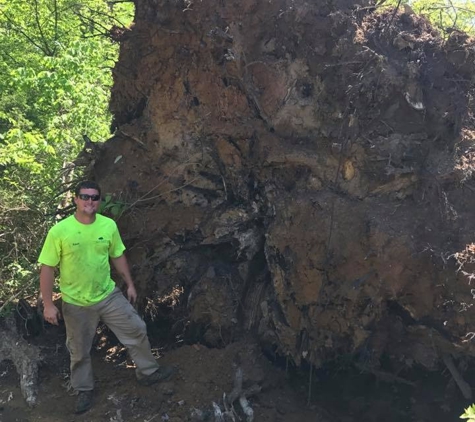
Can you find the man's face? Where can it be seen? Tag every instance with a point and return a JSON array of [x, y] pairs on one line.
[[87, 201]]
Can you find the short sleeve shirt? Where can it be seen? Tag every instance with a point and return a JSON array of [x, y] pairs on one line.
[[82, 252]]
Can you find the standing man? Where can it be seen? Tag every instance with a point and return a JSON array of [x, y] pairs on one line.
[[82, 246]]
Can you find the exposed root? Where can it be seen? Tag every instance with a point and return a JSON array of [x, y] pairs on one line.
[[246, 408], [237, 390], [385, 376], [461, 383], [237, 394], [220, 416]]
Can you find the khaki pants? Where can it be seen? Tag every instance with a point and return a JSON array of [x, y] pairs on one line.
[[119, 315]]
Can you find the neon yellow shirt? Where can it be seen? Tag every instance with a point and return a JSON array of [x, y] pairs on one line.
[[82, 252]]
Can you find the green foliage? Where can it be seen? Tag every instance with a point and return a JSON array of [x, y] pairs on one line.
[[112, 207], [55, 59], [469, 413], [58, 87], [446, 15], [22, 228]]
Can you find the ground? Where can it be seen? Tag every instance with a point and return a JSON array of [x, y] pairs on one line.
[[337, 393]]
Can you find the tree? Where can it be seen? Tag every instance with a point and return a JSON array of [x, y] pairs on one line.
[[446, 15], [57, 57]]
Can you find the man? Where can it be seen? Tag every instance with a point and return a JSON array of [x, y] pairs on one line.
[[82, 246]]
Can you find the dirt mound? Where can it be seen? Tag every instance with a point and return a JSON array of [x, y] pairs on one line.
[[302, 172]]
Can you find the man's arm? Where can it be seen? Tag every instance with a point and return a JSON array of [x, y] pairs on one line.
[[122, 267], [51, 312]]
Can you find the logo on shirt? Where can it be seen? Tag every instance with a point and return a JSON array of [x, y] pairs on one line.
[[101, 240]]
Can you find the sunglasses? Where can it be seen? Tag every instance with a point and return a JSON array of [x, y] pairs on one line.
[[86, 197]]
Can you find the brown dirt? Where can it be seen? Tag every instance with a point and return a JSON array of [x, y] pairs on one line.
[[203, 376], [336, 394], [299, 171], [300, 174]]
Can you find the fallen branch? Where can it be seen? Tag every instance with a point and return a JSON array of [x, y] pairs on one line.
[[237, 390], [229, 414], [246, 408], [218, 414], [25, 358], [461, 383], [238, 393]]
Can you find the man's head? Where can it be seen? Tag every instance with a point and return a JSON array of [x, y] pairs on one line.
[[86, 184], [87, 197]]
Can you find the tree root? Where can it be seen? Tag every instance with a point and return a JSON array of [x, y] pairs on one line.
[[385, 376], [246, 408], [229, 413], [25, 358], [461, 383]]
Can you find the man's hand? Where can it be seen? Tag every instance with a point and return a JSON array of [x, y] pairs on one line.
[[131, 294], [51, 314]]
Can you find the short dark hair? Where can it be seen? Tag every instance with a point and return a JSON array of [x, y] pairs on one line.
[[86, 184]]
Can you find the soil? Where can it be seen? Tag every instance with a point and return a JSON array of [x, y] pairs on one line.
[[338, 392], [294, 185], [297, 171]]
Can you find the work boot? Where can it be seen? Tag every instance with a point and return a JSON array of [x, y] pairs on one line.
[[161, 374], [84, 401]]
